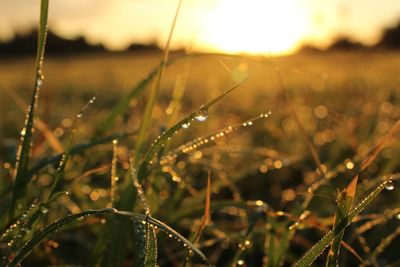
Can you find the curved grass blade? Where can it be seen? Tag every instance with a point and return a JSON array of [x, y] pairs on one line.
[[67, 154], [203, 140], [76, 150], [158, 143], [52, 140], [49, 229], [40, 236], [242, 246], [123, 103], [384, 243], [321, 245], [165, 228], [30, 218], [21, 179]]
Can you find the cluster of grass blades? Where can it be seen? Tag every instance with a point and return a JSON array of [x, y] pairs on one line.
[[126, 227]]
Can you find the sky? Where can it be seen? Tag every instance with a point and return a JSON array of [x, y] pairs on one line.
[[252, 26]]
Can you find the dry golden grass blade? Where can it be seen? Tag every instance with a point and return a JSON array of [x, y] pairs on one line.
[[378, 148], [310, 146], [53, 141], [206, 216]]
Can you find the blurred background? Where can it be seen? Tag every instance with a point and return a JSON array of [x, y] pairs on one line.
[[254, 26], [331, 54]]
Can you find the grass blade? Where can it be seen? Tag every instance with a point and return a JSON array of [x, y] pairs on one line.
[[320, 246], [49, 229], [165, 228], [345, 203], [114, 173], [200, 141], [66, 156], [151, 247], [206, 216], [20, 176], [52, 140], [123, 103], [76, 150], [155, 147]]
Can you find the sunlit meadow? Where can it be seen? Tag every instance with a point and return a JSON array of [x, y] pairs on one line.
[[201, 157]]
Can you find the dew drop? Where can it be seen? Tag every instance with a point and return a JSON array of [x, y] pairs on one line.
[[186, 125], [110, 210], [44, 210], [389, 185], [39, 82], [240, 262], [293, 226], [202, 115]]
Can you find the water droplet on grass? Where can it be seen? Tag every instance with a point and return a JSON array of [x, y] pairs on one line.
[[39, 82], [389, 185], [186, 125], [202, 115]]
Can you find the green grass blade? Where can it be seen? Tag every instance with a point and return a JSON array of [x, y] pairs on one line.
[[123, 103], [67, 154], [76, 150], [49, 229], [321, 245], [151, 247], [139, 245], [160, 141], [114, 173], [165, 228], [200, 141], [345, 203], [20, 176]]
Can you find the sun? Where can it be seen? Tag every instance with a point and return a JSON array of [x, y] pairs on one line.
[[255, 26]]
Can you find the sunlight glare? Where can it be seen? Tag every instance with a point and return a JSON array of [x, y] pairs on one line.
[[255, 26]]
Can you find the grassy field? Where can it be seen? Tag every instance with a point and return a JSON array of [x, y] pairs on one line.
[[275, 180]]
